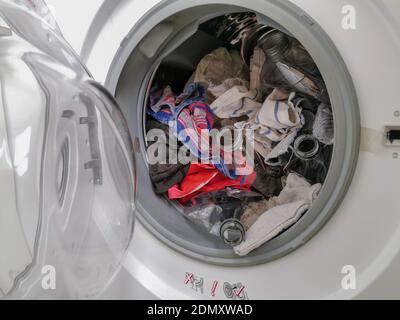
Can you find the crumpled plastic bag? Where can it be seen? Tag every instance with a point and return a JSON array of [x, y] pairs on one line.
[[324, 129], [210, 210]]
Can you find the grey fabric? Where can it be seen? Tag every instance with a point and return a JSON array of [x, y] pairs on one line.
[[216, 67], [256, 64], [164, 176], [282, 212], [234, 99]]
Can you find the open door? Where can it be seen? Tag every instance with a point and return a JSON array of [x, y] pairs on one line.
[[67, 172]]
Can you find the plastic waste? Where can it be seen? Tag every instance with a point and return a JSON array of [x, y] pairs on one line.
[[311, 159], [219, 212], [323, 128], [289, 66]]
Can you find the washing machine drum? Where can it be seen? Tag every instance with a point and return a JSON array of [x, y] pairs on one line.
[[66, 165]]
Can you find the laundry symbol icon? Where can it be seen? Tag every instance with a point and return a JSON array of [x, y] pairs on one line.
[[196, 283], [235, 291]]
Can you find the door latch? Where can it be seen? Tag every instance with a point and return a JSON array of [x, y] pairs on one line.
[[392, 136]]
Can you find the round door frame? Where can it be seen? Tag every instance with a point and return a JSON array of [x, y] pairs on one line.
[[344, 104]]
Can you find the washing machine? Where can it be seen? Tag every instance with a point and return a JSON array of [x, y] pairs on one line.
[[79, 217]]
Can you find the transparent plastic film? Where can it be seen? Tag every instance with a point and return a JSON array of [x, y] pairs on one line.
[[67, 153]]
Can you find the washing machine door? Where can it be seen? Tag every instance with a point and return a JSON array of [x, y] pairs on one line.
[[67, 175]]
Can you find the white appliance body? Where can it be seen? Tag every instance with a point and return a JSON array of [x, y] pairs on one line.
[[363, 236]]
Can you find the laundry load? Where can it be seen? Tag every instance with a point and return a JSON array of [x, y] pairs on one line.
[[280, 213], [167, 174], [235, 99], [190, 119], [257, 62], [205, 178], [217, 67], [264, 96], [186, 115], [278, 121]]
